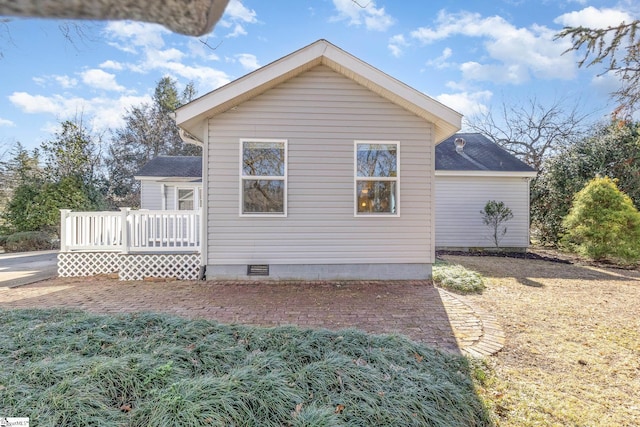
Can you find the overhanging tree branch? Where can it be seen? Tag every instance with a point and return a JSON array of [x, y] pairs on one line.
[[620, 47]]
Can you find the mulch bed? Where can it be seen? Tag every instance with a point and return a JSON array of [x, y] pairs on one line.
[[521, 255]]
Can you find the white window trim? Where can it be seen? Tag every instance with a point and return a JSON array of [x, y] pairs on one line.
[[197, 204], [284, 178], [356, 178]]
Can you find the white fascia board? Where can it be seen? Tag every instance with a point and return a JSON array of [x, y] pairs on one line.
[[191, 116], [221, 99], [512, 174], [447, 121]]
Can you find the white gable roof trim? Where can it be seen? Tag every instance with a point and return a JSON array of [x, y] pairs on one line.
[[191, 116]]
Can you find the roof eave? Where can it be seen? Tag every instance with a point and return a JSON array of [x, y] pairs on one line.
[[168, 178], [446, 121], [476, 173]]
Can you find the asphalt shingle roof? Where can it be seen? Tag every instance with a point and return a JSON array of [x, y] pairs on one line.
[[169, 166], [479, 153]]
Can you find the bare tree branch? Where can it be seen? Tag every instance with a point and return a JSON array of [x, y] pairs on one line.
[[531, 131], [206, 43], [363, 7], [620, 46]]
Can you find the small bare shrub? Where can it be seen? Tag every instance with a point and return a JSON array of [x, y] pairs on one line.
[[495, 215]]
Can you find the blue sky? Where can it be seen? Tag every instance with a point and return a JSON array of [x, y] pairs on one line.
[[470, 55]]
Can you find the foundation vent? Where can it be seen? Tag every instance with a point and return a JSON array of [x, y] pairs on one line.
[[258, 270]]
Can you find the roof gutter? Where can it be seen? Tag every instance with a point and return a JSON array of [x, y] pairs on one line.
[[188, 138], [185, 136]]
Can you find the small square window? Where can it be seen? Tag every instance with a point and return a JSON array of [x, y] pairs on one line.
[[185, 199]]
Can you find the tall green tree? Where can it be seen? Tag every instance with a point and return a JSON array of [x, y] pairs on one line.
[[72, 151], [611, 150], [17, 165], [149, 131], [69, 179]]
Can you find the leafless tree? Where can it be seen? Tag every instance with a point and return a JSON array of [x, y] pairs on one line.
[[531, 131], [620, 47]]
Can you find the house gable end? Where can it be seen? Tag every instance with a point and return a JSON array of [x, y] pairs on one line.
[[191, 117]]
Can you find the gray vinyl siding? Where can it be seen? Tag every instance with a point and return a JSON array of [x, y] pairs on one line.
[[150, 195], [320, 113], [170, 193], [459, 201]]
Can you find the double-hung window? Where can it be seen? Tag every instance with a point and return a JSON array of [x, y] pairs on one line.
[[377, 178], [186, 199], [263, 177]]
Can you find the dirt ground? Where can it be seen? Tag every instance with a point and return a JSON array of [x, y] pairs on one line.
[[572, 353]]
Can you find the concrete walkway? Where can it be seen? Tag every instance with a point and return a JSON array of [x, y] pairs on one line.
[[21, 268], [412, 308]]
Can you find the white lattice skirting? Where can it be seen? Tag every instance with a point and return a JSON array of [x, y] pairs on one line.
[[129, 266]]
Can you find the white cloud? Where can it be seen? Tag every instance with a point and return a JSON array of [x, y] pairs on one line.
[[35, 103], [497, 73], [356, 13], [467, 103], [203, 48], [516, 53], [592, 17], [234, 16], [155, 57], [238, 12], [40, 81], [65, 82], [6, 122], [105, 113], [238, 30], [100, 79], [441, 61], [130, 35], [396, 43], [112, 65], [206, 77], [248, 61]]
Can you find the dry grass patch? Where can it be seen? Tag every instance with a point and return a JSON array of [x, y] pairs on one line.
[[572, 355]]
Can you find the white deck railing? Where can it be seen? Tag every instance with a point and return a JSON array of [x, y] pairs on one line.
[[143, 231]]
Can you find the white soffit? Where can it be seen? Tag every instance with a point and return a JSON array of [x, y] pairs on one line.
[[190, 116]]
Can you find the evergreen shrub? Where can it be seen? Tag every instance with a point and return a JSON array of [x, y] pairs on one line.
[[603, 224]]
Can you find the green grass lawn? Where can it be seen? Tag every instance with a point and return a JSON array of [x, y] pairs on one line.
[[69, 368], [457, 278]]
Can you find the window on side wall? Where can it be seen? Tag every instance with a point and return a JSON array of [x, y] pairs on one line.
[[186, 199], [377, 172], [263, 177]]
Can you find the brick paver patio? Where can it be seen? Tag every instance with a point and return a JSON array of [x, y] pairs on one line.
[[413, 308]]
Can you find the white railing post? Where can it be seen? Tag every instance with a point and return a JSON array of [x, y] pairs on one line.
[[125, 229], [64, 214]]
